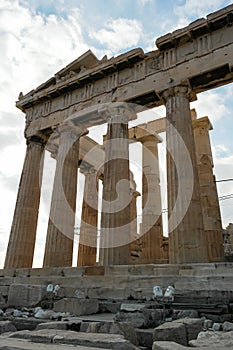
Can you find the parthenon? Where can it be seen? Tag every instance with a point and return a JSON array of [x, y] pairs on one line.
[[90, 92]]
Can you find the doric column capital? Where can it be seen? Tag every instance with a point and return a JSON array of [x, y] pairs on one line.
[[117, 112], [86, 169], [178, 90], [202, 123], [38, 138], [147, 136], [74, 131]]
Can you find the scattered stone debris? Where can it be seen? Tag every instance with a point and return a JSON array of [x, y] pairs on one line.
[[7, 326], [88, 340], [210, 338], [137, 325]]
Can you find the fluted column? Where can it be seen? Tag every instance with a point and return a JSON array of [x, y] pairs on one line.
[[21, 244], [89, 223], [151, 228], [135, 244], [208, 190], [60, 234], [133, 212], [115, 218], [187, 241]]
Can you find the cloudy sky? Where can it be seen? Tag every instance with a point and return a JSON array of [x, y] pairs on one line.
[[39, 37]]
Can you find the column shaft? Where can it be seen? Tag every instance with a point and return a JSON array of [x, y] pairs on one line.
[[60, 234], [115, 218], [187, 242], [21, 244], [208, 190], [135, 245], [89, 223], [151, 227], [133, 213]]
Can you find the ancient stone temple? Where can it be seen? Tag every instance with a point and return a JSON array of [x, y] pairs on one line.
[[90, 92]]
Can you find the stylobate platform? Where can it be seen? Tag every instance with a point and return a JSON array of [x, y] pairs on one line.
[[194, 283]]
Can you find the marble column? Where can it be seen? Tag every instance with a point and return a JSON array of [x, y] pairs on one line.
[[165, 250], [135, 244], [133, 212], [187, 241], [208, 190], [89, 224], [115, 218], [151, 228], [60, 233], [21, 244]]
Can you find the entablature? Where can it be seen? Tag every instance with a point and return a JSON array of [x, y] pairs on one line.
[[203, 61]]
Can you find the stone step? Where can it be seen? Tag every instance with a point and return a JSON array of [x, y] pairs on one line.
[[202, 282], [150, 269], [208, 308], [166, 345], [92, 340], [120, 283], [20, 344], [121, 270], [145, 337]]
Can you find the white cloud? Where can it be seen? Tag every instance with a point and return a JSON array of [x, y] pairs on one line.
[[211, 104], [189, 10], [12, 153], [32, 44], [223, 169], [119, 34], [220, 151], [143, 2], [33, 47], [193, 8]]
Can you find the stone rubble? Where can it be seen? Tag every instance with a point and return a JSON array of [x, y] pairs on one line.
[[210, 338], [207, 324], [124, 328], [77, 306], [216, 326], [7, 326], [227, 326], [99, 340], [140, 319], [193, 326], [73, 325], [171, 331], [141, 325], [166, 345]]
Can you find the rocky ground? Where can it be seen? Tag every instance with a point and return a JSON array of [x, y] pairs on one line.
[[122, 326]]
